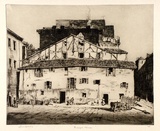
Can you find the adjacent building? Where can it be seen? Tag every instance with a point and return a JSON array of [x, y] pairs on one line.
[[144, 77], [74, 65], [16, 51]]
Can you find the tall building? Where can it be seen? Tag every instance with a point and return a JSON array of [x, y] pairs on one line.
[[79, 68], [144, 77], [16, 52]]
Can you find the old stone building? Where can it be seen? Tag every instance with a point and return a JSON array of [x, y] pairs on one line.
[[76, 67], [16, 51], [144, 77]]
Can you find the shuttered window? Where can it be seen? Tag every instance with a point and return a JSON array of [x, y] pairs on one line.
[[48, 85], [83, 81], [71, 83]]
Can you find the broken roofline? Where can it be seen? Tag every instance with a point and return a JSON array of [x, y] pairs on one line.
[[94, 63], [39, 51]]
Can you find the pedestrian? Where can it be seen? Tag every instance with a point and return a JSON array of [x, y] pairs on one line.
[[9, 99], [14, 102], [32, 100]]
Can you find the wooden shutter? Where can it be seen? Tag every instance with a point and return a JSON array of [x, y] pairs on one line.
[[50, 85], [68, 83]]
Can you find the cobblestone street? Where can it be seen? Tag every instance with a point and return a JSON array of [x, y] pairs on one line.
[[62, 114]]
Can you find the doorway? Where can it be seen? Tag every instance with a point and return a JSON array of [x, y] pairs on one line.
[[105, 97], [62, 96]]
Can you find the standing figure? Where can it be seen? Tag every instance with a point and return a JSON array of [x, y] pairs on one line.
[[9, 99], [32, 100], [14, 102]]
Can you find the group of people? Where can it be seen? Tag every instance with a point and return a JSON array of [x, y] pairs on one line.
[[12, 101]]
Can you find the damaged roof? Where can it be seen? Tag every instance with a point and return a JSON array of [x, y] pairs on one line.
[[95, 63]]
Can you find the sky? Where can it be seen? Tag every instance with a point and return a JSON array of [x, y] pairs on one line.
[[133, 23]]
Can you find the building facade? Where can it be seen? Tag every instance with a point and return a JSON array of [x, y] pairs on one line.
[[144, 78], [15, 53], [75, 67]]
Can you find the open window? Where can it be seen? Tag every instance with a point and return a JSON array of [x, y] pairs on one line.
[[10, 62], [42, 92], [38, 72], [9, 42], [81, 55], [48, 85], [121, 95], [14, 45], [15, 64], [110, 72], [124, 85], [83, 68], [96, 82], [64, 55], [84, 94]]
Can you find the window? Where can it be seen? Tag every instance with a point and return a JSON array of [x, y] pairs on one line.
[[48, 85], [81, 43], [81, 55], [96, 82], [23, 52], [9, 42], [98, 55], [64, 55], [71, 83], [121, 95], [42, 92], [124, 85], [14, 64], [110, 72], [66, 71], [51, 69], [83, 94], [38, 72], [83, 68], [66, 68], [83, 81], [10, 63], [14, 45]]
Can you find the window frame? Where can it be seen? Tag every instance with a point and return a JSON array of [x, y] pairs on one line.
[[83, 81], [9, 42], [79, 54], [15, 64], [83, 68], [14, 44]]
